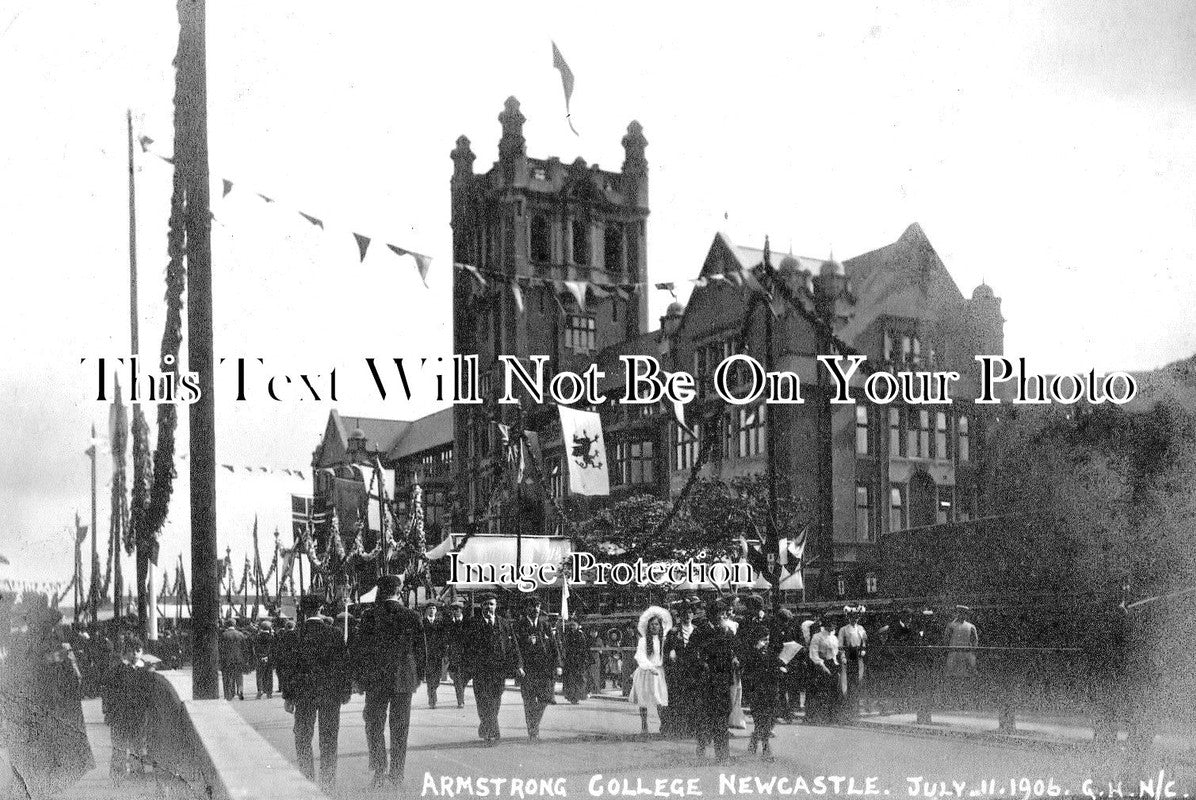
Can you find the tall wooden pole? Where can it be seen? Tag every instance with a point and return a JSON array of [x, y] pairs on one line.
[[770, 427], [192, 117], [95, 533], [142, 574]]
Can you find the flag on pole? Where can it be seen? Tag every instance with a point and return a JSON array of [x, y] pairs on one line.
[[558, 62], [793, 559], [582, 433], [300, 512]]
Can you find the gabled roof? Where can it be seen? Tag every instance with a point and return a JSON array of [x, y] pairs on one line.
[[380, 435], [752, 257], [425, 433], [903, 279], [726, 257]]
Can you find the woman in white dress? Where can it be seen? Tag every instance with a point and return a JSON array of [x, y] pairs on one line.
[[648, 687]]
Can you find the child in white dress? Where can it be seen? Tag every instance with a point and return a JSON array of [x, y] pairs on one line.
[[648, 687]]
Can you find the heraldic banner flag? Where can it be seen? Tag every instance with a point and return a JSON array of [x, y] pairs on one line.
[[585, 450]]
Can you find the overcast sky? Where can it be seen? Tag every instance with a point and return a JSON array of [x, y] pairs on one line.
[[1045, 148]]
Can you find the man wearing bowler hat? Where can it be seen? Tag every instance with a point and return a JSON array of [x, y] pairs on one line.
[[490, 656], [540, 660], [390, 649]]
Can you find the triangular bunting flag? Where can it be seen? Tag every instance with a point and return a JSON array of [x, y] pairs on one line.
[[679, 416], [578, 290], [752, 282], [319, 223], [145, 142], [735, 277], [600, 292], [777, 305], [558, 62], [228, 186], [472, 270], [363, 244], [422, 262], [668, 287], [267, 199], [699, 282], [517, 294]]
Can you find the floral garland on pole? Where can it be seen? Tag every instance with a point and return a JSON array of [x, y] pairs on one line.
[[417, 541]]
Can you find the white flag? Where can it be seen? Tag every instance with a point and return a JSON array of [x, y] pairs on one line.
[[585, 450]]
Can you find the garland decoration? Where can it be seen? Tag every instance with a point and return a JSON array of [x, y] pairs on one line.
[[162, 481]]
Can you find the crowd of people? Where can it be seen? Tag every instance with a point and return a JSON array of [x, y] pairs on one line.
[[697, 667]]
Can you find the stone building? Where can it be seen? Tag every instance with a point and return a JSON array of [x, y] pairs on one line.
[[530, 230]]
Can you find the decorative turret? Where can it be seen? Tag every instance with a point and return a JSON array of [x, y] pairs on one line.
[[671, 319], [987, 323], [830, 287], [463, 159], [635, 164], [512, 147]]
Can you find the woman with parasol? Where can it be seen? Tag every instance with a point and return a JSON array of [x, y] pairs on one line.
[[648, 687]]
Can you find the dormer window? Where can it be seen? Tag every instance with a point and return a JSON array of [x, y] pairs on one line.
[[540, 174]]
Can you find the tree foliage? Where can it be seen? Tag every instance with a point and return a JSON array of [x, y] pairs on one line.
[[709, 524], [1112, 492]]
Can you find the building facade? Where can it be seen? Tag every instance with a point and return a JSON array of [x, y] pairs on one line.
[[529, 231]]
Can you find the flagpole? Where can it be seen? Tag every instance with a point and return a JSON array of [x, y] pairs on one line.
[[78, 594], [770, 453], [518, 490], [95, 547]]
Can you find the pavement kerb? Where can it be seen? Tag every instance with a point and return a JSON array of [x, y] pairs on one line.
[[1018, 739]]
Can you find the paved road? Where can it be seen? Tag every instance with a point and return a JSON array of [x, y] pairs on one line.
[[599, 737]]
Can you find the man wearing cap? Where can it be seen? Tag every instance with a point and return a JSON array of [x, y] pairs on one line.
[[315, 681], [718, 656], [390, 648], [490, 656], [263, 650], [454, 649], [433, 633], [540, 659], [962, 636]]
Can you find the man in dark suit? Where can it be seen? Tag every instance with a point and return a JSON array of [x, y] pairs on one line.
[[433, 663], [491, 654], [264, 652], [389, 655], [540, 659], [233, 648], [454, 648], [682, 671], [314, 678], [718, 654]]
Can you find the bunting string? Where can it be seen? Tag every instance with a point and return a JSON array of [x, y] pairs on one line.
[[422, 262]]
